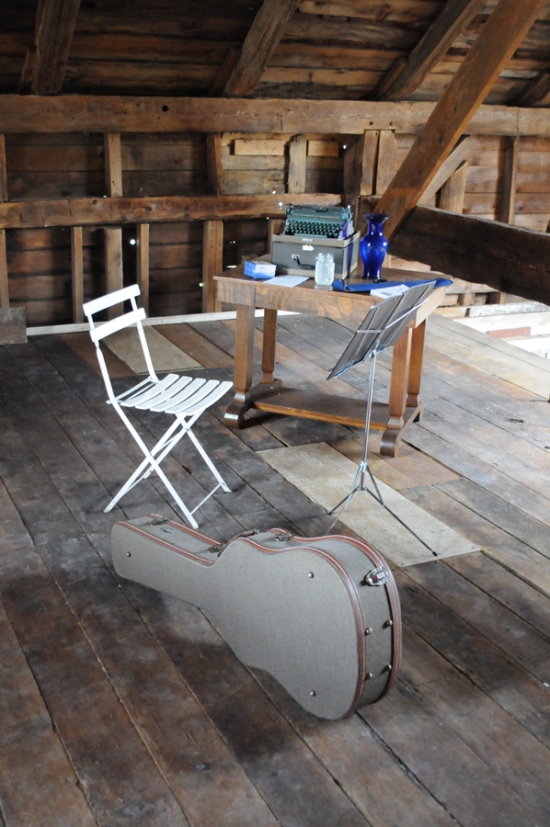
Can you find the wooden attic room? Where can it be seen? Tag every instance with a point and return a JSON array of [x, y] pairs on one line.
[[160, 145]]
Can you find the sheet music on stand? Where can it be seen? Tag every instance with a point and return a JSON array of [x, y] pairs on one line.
[[380, 329]]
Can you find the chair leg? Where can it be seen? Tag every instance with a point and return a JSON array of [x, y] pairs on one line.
[[153, 462], [208, 461]]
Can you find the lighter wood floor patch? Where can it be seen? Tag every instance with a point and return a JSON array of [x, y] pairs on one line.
[[166, 356], [326, 476]]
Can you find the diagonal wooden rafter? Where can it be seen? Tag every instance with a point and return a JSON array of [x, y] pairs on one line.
[[260, 43], [406, 75], [499, 38], [534, 92], [55, 24], [462, 152]]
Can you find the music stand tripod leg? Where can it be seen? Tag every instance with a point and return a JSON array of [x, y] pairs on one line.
[[359, 481]]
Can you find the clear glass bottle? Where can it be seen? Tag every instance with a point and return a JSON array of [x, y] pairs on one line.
[[324, 269]]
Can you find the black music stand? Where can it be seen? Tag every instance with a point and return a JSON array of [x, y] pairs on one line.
[[380, 329]]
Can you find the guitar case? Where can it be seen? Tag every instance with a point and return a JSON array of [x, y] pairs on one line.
[[319, 614]]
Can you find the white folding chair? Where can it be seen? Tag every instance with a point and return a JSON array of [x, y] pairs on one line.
[[183, 397]]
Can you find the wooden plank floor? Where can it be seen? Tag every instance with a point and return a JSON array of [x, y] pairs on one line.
[[120, 706]]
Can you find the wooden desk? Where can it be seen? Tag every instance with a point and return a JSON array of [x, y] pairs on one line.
[[404, 405]]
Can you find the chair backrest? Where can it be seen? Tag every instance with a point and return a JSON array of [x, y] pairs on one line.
[[104, 329]]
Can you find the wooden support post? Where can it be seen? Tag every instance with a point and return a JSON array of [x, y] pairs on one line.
[[4, 285], [214, 166], [143, 264], [113, 264], [499, 38], [451, 196], [297, 164], [366, 156], [212, 264], [387, 153], [113, 236], [77, 272], [113, 164], [508, 199]]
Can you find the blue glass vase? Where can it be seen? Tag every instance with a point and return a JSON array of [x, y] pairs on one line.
[[373, 246]]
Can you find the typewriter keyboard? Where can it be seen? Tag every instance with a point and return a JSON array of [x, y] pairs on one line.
[[313, 228]]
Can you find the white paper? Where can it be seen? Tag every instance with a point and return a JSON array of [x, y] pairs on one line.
[[388, 292], [288, 281]]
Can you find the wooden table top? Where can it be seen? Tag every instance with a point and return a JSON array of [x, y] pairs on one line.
[[311, 299]]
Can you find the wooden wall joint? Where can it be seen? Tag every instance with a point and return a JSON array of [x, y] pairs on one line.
[[114, 279], [4, 284], [142, 266], [212, 264], [297, 160], [77, 274]]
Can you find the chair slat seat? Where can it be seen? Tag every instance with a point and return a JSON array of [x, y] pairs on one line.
[[215, 395], [201, 397], [184, 398], [170, 399], [147, 394]]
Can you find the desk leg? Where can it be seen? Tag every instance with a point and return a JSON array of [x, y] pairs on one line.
[[415, 370], [398, 394], [244, 362], [269, 343]]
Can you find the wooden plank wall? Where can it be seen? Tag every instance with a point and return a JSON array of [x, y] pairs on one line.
[[66, 165]]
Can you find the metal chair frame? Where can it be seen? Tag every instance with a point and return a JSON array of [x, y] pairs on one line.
[[181, 396]]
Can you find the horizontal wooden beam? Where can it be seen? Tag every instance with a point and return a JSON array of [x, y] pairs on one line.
[[510, 259], [111, 113], [105, 211]]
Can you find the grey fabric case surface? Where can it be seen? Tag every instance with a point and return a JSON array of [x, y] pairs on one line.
[[298, 608]]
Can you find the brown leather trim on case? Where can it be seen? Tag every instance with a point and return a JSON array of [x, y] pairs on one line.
[[166, 544], [185, 529], [393, 599]]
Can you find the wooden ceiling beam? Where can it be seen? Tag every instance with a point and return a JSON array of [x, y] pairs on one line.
[[478, 250], [55, 24], [260, 43], [105, 211], [406, 75], [499, 38], [114, 113]]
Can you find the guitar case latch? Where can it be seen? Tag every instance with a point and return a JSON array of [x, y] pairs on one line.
[[377, 577]]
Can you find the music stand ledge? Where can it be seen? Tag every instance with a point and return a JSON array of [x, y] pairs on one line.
[[404, 405]]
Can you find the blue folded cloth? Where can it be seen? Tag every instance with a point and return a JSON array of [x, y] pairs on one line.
[[371, 286]]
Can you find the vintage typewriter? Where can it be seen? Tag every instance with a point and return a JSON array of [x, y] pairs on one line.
[[321, 222], [309, 231]]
